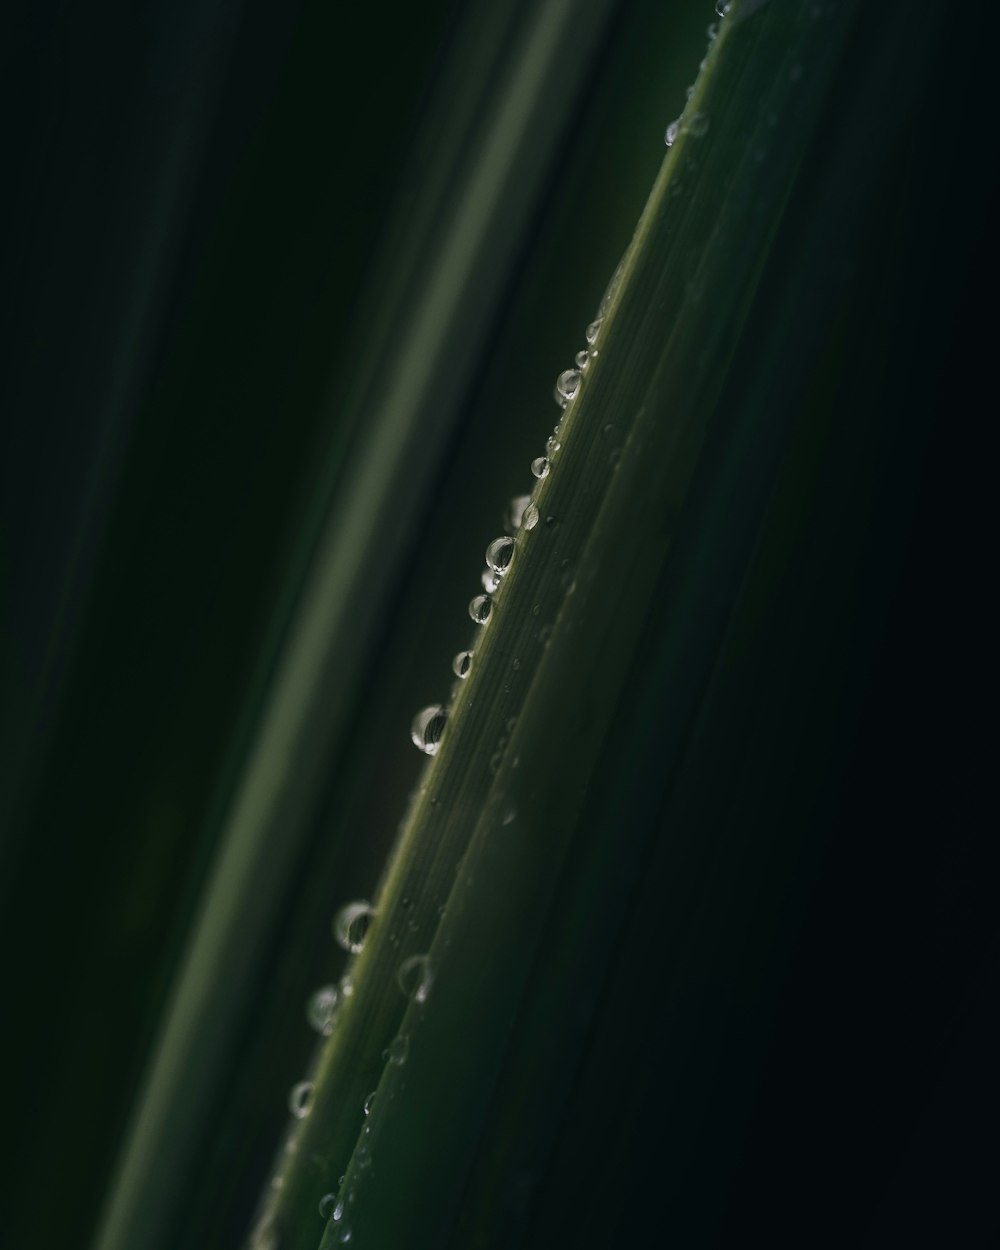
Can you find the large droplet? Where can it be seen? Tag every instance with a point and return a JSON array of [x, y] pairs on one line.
[[427, 727], [530, 518], [540, 466], [415, 977], [514, 512], [322, 1008], [499, 554], [350, 927], [722, 7], [300, 1099], [567, 385], [461, 664], [480, 609]]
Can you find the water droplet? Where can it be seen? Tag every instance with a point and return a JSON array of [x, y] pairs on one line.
[[515, 511], [300, 1099], [552, 445], [480, 609], [415, 977], [567, 385], [461, 664], [673, 130], [498, 555], [346, 986], [582, 359], [350, 928], [427, 727], [551, 520], [369, 1103], [722, 7], [540, 467], [491, 582], [697, 125], [345, 1235], [530, 518], [326, 1205], [321, 1009], [397, 1051], [593, 330], [712, 33]]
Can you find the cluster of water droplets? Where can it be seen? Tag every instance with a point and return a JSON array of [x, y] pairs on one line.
[[695, 123], [429, 724]]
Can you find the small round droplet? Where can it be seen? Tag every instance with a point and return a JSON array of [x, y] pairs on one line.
[[345, 1236], [491, 582], [415, 977], [350, 928], [346, 986], [498, 555], [369, 1103], [300, 1099], [697, 125], [427, 727], [567, 385], [540, 467], [593, 330], [461, 664], [480, 609], [530, 518], [722, 7], [322, 1008], [582, 359], [673, 130], [515, 511], [397, 1051], [326, 1205], [552, 445]]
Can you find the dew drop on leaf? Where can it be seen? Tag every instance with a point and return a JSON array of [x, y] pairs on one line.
[[480, 609], [300, 1099], [415, 977], [499, 554], [515, 511], [321, 1009], [350, 928], [567, 385], [427, 727]]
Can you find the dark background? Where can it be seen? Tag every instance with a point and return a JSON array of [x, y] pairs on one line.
[[194, 197]]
